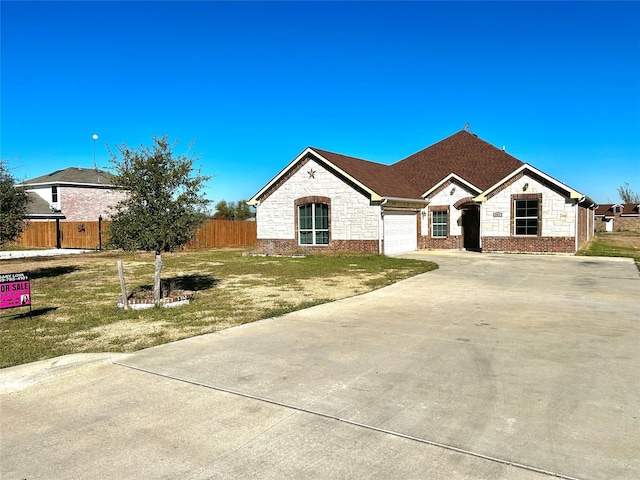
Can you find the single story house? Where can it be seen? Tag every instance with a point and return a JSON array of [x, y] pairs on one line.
[[616, 217], [74, 194], [459, 193]]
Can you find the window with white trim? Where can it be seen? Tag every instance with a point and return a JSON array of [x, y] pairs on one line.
[[526, 217], [439, 223], [313, 224]]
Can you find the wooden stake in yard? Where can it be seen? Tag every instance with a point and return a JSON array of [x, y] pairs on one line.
[[123, 286], [157, 288]]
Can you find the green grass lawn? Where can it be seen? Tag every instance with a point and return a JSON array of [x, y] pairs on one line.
[[74, 297], [614, 244]]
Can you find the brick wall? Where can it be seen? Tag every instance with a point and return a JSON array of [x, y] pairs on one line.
[[87, 204], [352, 217], [274, 246], [585, 228], [529, 244], [449, 243], [619, 224]]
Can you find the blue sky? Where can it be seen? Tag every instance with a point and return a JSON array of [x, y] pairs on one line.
[[253, 84]]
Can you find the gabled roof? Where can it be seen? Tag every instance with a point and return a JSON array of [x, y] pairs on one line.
[[552, 182], [454, 179], [461, 157], [463, 153], [627, 209], [74, 176]]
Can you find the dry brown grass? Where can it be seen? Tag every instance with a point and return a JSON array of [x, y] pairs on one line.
[[74, 297]]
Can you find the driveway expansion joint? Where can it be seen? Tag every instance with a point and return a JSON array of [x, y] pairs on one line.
[[351, 422]]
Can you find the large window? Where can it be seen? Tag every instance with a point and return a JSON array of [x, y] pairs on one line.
[[526, 217], [439, 223], [313, 224]]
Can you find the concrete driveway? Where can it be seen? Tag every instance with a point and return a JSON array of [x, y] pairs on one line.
[[492, 367]]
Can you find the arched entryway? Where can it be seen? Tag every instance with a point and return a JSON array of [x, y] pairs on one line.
[[471, 227], [470, 223]]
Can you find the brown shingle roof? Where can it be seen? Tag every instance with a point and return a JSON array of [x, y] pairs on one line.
[[464, 154], [382, 179], [606, 209]]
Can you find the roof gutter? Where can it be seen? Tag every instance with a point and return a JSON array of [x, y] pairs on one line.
[[414, 205], [406, 200]]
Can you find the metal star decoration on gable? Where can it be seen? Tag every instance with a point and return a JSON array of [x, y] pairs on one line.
[[312, 173]]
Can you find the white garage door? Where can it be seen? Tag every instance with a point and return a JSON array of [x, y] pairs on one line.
[[400, 233]]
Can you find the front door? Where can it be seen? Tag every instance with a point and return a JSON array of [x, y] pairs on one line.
[[471, 228]]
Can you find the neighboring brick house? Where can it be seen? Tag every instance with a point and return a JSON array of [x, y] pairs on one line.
[[74, 194], [616, 217], [460, 193]]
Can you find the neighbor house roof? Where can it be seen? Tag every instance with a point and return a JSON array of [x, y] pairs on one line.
[[38, 207], [74, 176], [627, 209]]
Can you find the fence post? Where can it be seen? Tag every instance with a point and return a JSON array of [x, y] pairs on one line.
[[100, 232], [58, 234]]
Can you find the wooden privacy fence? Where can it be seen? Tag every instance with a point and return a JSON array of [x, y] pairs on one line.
[[224, 233], [94, 235]]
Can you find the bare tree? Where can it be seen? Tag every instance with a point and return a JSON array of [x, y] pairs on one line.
[[627, 195]]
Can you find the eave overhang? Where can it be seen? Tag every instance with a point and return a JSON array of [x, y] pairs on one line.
[[453, 178], [255, 200], [28, 186], [570, 192]]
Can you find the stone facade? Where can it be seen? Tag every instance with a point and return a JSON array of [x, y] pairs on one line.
[[447, 195], [558, 215], [355, 222], [557, 219]]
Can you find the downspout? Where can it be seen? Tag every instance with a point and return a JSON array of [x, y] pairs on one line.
[[480, 226], [581, 199], [380, 227]]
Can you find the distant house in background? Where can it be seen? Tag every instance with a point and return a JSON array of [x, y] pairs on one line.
[[74, 194], [39, 209], [616, 217]]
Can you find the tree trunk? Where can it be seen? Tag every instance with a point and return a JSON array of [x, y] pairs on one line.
[[157, 293]]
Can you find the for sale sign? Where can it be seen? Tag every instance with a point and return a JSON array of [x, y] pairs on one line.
[[15, 290]]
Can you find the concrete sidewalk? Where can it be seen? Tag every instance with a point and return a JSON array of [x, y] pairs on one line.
[[493, 366], [49, 252]]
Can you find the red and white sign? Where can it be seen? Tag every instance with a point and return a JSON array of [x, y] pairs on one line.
[[15, 290]]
